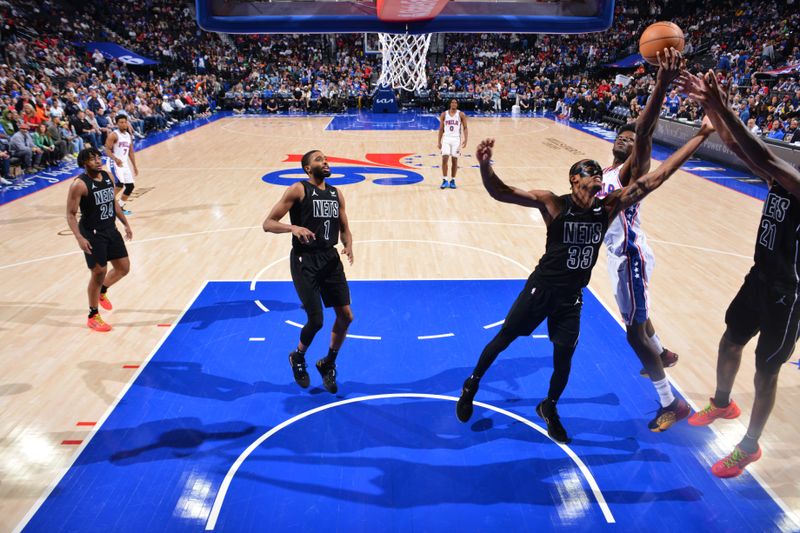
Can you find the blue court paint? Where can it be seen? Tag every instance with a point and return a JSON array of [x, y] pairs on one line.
[[159, 459]]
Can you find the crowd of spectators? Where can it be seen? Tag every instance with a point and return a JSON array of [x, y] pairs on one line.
[[56, 97]]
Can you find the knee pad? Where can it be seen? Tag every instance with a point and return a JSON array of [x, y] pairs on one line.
[[128, 189]]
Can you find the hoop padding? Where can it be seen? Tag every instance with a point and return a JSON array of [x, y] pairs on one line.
[[403, 60]]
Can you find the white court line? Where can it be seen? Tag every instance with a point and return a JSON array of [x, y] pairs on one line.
[[365, 337], [105, 416], [295, 324], [540, 336], [211, 524], [440, 336], [494, 324], [257, 339], [262, 306]]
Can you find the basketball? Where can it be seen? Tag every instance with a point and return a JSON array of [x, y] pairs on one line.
[[658, 37]]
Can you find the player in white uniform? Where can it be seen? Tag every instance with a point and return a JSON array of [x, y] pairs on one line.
[[451, 140], [630, 259], [119, 146]]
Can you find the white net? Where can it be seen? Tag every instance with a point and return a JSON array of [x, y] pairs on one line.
[[403, 60]]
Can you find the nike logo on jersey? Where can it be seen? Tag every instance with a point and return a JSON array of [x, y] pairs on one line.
[[333, 193], [597, 209]]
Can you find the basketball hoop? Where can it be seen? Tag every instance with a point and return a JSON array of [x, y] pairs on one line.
[[403, 59]]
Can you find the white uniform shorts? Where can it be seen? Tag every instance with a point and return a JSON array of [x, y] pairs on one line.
[[123, 174], [630, 276], [451, 147]]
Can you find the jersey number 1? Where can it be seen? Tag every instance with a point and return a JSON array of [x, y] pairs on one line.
[[327, 233]]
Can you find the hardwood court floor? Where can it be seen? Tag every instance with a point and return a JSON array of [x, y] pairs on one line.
[[198, 217]]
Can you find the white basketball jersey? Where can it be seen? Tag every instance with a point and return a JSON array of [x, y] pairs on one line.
[[625, 230], [123, 145], [452, 125]]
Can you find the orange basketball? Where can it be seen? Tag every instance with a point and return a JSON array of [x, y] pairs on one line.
[[659, 36]]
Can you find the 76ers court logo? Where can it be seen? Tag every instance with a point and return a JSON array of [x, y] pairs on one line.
[[381, 169]]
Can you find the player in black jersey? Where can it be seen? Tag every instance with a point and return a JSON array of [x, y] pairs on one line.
[[318, 217], [576, 224], [93, 193], [767, 303]]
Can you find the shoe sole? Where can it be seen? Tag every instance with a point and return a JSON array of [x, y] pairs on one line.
[[99, 330], [463, 405], [663, 427]]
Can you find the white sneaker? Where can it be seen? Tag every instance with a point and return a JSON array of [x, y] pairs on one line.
[[6, 182]]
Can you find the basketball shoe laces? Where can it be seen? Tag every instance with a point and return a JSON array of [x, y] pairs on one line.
[[734, 458], [97, 318]]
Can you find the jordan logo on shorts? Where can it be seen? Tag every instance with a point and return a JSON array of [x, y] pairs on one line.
[[781, 300]]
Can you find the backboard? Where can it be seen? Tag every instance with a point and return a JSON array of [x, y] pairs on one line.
[[405, 16]]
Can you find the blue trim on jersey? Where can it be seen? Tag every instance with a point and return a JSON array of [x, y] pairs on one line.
[[635, 268]]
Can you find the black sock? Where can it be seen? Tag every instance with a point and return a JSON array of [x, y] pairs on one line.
[[92, 311], [749, 444], [298, 355], [103, 289], [331, 357], [548, 406], [722, 399]]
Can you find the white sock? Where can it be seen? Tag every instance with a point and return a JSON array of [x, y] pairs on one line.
[[655, 344], [664, 392], [121, 203]]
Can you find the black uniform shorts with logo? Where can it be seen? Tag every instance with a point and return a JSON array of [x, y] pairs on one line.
[[771, 310], [319, 274], [561, 308], [107, 245]]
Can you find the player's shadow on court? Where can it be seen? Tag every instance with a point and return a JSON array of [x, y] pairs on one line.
[[160, 440], [205, 316], [189, 379], [408, 484]]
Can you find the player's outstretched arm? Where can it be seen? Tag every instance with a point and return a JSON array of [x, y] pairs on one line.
[[638, 164], [752, 150], [636, 191], [545, 201]]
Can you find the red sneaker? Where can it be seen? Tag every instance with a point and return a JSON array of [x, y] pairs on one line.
[[733, 465], [105, 303], [668, 359], [97, 323], [712, 412]]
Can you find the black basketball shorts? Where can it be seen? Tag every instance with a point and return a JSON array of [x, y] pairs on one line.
[[774, 312], [319, 274], [107, 245], [561, 308]]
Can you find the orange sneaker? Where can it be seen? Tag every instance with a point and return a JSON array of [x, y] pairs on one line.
[[712, 412], [105, 303], [97, 323], [733, 465]]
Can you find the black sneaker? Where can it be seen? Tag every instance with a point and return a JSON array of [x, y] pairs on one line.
[[328, 373], [464, 405], [549, 414], [299, 369]]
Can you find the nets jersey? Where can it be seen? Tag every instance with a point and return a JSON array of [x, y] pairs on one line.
[[123, 145], [625, 230], [777, 254], [97, 207], [452, 125], [318, 211], [573, 240]]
